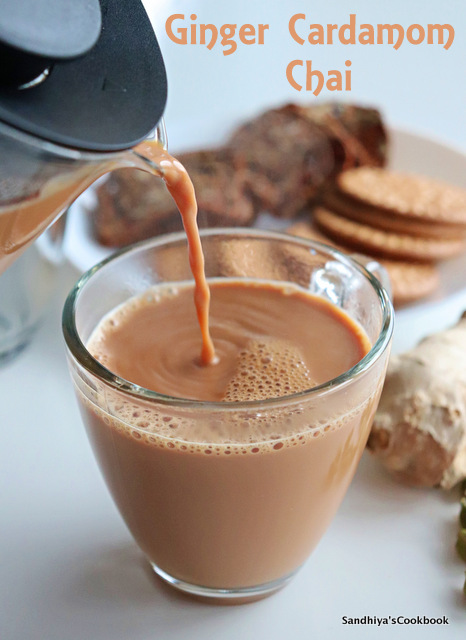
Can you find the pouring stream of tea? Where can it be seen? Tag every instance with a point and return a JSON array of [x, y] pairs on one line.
[[182, 191]]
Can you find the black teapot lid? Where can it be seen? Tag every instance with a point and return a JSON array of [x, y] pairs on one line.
[[86, 74]]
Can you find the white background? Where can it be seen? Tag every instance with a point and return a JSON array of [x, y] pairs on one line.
[[68, 567], [420, 87]]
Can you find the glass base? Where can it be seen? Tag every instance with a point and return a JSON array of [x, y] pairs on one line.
[[225, 596]]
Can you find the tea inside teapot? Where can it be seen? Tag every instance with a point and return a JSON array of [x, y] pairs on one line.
[[39, 181]]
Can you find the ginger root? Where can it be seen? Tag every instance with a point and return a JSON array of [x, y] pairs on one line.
[[419, 431]]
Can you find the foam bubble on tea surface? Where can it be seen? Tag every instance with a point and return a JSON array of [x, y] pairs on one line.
[[268, 368]]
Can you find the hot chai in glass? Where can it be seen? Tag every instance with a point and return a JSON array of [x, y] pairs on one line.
[[228, 473]]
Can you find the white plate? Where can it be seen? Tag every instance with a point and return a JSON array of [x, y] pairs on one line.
[[408, 152]]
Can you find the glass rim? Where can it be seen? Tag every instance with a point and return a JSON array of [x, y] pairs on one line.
[[83, 357]]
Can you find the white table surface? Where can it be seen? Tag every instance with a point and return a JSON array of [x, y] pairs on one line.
[[69, 569]]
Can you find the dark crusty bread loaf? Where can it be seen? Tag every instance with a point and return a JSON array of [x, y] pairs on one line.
[[288, 159], [133, 205], [357, 134]]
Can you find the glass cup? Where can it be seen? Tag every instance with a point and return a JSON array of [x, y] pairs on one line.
[[218, 509]]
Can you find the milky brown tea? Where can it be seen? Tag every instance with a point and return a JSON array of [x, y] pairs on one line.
[[233, 489]]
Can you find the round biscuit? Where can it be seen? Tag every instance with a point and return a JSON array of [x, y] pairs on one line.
[[379, 218], [383, 243], [405, 194]]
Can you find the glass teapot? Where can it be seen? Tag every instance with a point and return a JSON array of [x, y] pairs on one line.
[[82, 83]]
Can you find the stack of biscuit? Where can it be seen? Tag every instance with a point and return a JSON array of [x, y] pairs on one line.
[[409, 223]]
